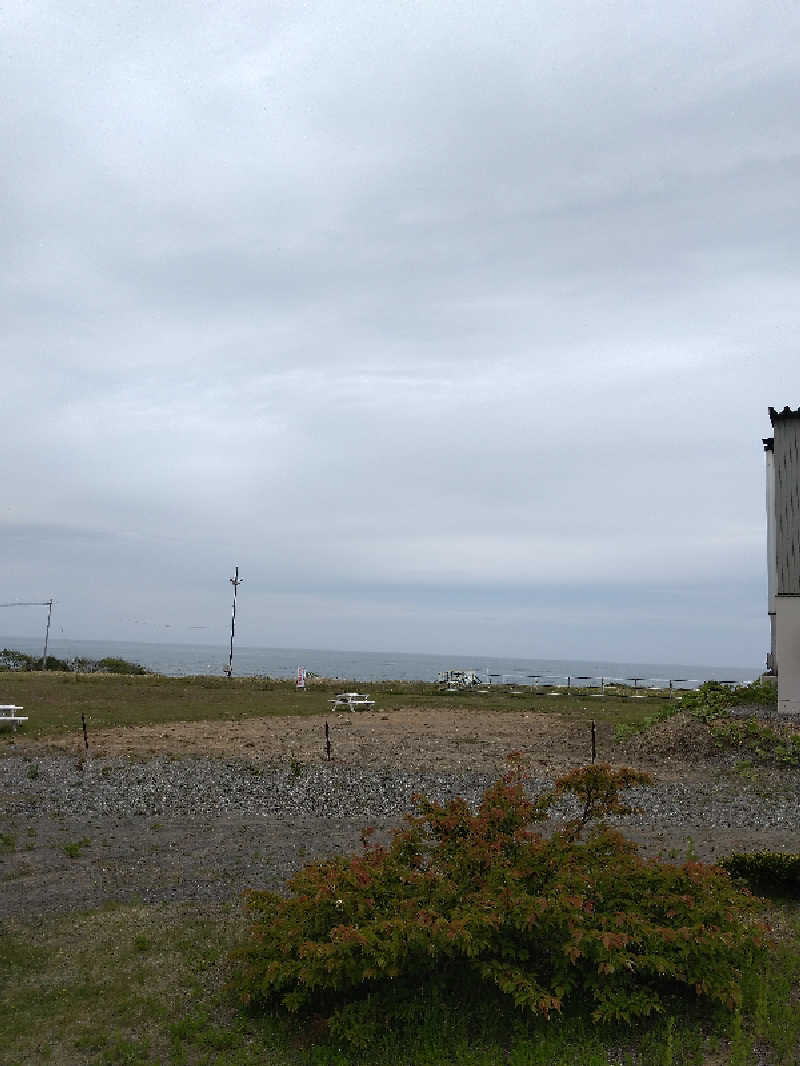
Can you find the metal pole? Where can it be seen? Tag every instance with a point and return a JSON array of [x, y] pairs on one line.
[[236, 582], [47, 633]]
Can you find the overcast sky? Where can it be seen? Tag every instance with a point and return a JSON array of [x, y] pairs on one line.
[[454, 325]]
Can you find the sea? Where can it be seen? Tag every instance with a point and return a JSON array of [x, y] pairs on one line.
[[180, 660]]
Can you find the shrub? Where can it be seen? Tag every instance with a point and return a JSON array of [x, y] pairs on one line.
[[460, 900], [713, 698], [760, 740], [11, 659], [113, 665], [767, 871]]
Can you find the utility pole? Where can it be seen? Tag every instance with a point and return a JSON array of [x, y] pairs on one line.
[[236, 582], [47, 632], [37, 603]]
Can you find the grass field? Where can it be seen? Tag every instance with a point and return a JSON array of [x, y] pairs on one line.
[[54, 702], [146, 985]]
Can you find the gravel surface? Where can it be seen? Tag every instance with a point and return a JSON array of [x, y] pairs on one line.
[[78, 834]]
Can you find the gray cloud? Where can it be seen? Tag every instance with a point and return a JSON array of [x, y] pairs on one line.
[[454, 327]]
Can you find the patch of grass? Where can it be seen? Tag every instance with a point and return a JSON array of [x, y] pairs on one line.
[[8, 843], [641, 723], [75, 847], [77, 990], [55, 701]]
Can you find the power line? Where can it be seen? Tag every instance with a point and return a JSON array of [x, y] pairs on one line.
[[31, 603]]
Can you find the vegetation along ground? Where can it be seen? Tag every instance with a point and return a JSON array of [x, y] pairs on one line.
[[126, 938]]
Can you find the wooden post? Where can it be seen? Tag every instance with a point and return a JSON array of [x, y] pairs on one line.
[[85, 735], [594, 742], [327, 742]]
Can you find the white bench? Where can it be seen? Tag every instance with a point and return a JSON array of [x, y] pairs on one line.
[[8, 713]]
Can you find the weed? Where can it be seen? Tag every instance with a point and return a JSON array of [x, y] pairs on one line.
[[75, 847], [8, 842]]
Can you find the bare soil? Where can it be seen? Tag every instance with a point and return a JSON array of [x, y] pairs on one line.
[[411, 739], [217, 859]]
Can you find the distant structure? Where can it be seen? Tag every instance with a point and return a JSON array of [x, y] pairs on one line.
[[782, 452]]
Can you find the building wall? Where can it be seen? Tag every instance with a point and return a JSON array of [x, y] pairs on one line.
[[787, 618], [772, 657], [787, 507]]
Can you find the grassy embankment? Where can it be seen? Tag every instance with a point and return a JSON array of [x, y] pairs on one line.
[[145, 985]]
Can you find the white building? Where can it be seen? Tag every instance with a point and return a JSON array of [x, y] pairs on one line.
[[782, 452]]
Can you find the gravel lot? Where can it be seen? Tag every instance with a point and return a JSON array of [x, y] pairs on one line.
[[153, 826]]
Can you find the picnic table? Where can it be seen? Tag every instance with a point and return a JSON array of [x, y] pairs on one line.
[[8, 713], [353, 701]]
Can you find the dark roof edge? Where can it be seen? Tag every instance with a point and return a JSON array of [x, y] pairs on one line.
[[769, 444], [780, 416]]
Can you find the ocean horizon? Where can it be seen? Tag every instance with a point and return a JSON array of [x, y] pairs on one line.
[[180, 660]]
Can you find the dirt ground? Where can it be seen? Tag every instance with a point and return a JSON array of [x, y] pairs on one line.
[[412, 739], [217, 858]]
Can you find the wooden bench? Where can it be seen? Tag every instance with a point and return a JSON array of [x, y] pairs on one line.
[[8, 713]]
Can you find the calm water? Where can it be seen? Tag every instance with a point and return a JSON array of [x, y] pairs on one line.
[[181, 659]]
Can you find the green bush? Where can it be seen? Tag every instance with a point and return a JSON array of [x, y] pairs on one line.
[[113, 665], [713, 698], [11, 659], [461, 901], [758, 739], [766, 871]]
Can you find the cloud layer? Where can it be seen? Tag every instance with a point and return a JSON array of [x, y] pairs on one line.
[[454, 327]]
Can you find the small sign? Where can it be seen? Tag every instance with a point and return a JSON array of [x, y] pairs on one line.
[[301, 677]]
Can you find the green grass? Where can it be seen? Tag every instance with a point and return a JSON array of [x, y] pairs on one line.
[[74, 848], [54, 702], [146, 985]]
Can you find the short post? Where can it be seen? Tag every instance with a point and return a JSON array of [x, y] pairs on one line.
[[569, 682], [327, 742], [594, 742], [85, 735]]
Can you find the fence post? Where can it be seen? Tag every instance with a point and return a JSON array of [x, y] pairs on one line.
[[327, 742], [85, 735], [594, 742]]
